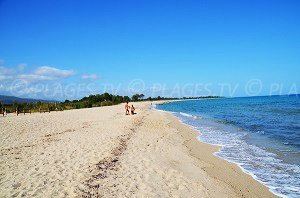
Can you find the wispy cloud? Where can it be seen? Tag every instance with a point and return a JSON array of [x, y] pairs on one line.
[[42, 73], [6, 71], [21, 67], [44, 82], [5, 77], [34, 77], [91, 76], [53, 72], [12, 70]]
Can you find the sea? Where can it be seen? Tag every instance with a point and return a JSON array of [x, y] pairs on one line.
[[260, 134]]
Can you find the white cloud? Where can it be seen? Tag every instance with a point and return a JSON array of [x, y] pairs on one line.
[[53, 72], [11, 71], [43, 73], [34, 77], [24, 81], [91, 76]]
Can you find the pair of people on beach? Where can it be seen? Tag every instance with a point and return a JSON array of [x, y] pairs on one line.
[[127, 107]]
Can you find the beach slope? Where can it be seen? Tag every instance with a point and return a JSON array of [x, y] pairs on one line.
[[101, 152]]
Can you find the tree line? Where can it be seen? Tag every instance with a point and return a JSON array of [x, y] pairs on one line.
[[97, 100]]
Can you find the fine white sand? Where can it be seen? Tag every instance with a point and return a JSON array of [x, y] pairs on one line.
[[101, 152]]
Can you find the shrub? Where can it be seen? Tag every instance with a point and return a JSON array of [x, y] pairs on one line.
[[106, 103]]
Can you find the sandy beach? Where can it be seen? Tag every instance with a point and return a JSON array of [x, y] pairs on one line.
[[100, 152]]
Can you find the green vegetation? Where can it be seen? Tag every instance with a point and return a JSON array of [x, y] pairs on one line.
[[97, 100], [137, 97]]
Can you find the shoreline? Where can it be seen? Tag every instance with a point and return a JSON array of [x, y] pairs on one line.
[[100, 151], [213, 151], [184, 117]]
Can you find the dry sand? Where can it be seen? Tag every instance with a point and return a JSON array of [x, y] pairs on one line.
[[101, 152]]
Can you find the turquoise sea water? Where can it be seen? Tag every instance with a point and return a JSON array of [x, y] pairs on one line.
[[261, 134]]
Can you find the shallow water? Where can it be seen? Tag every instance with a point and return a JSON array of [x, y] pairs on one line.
[[261, 134]]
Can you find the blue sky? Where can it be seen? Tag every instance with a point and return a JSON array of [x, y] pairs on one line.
[[170, 48]]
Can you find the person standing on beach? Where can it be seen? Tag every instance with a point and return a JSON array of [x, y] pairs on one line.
[[127, 108]]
